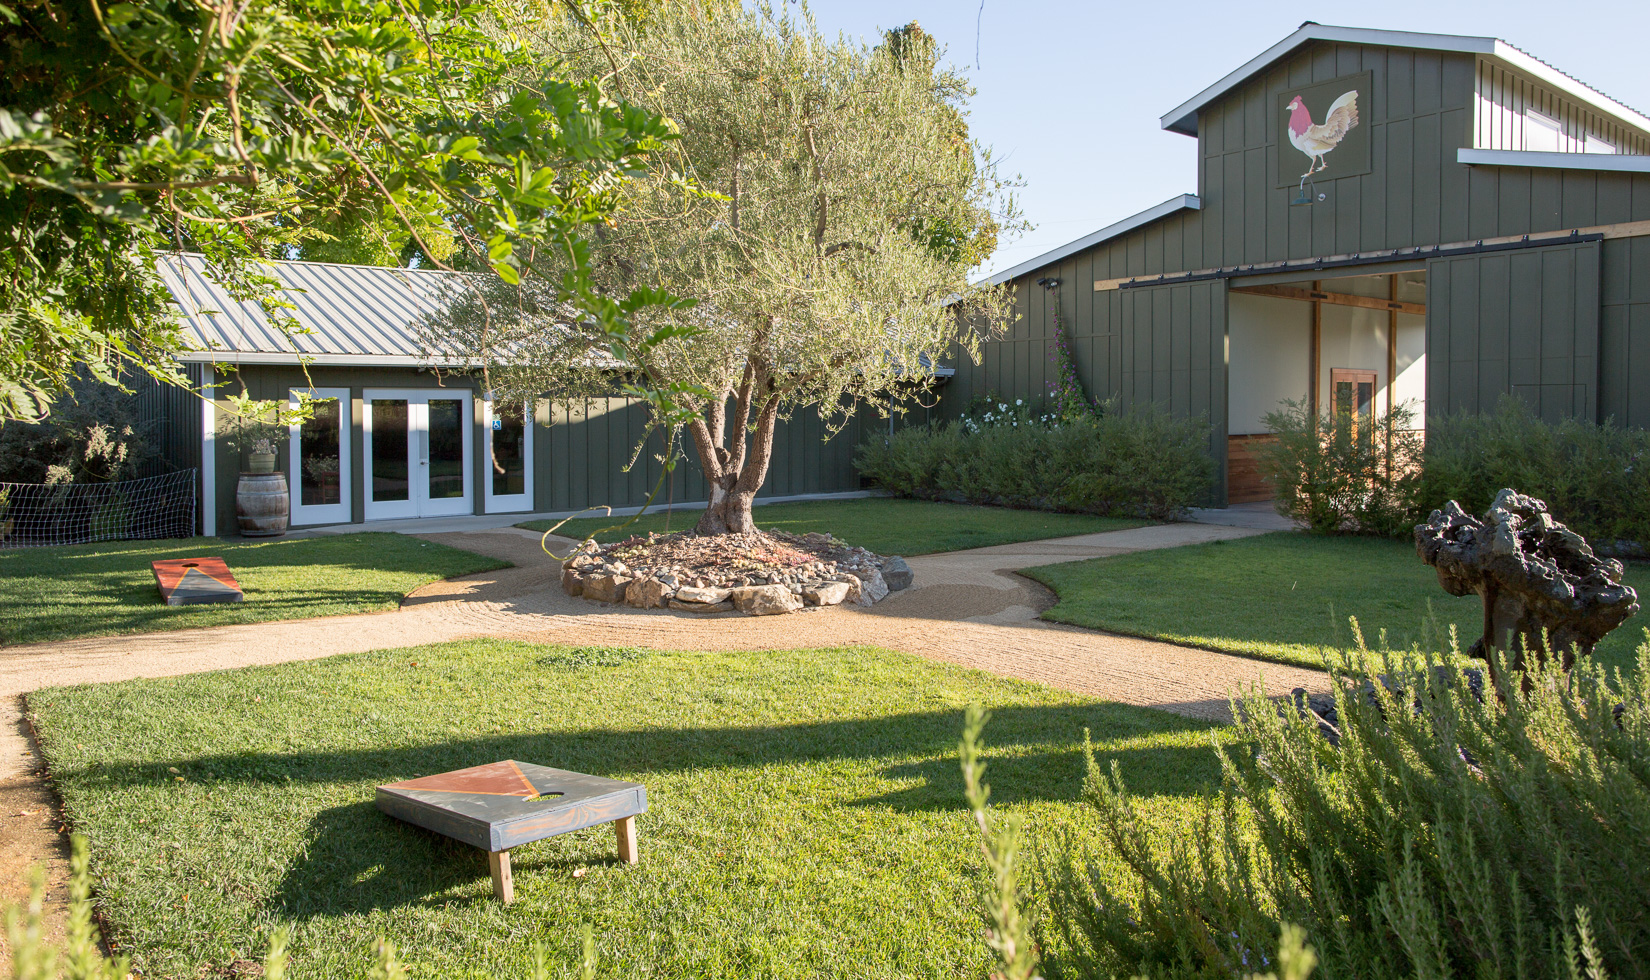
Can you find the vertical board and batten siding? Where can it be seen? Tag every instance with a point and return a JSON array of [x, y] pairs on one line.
[[1425, 109], [1522, 322], [581, 452], [1420, 113], [578, 455], [174, 417], [1504, 97], [1624, 332], [1162, 346], [1167, 344]]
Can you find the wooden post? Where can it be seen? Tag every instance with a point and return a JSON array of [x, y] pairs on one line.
[[504, 887], [1317, 348], [626, 831]]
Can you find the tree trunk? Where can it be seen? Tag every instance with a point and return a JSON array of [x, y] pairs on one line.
[[728, 513], [735, 472]]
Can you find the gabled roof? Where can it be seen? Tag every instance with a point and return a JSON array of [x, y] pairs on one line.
[[1183, 118], [355, 314], [1180, 202]]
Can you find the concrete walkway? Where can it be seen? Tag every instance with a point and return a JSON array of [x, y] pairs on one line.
[[1261, 516]]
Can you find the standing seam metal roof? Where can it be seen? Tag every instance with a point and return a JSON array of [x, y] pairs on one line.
[[353, 312]]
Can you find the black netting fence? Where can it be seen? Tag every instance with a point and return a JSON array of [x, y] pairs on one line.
[[35, 514]]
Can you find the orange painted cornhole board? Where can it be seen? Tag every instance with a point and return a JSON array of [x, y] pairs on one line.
[[186, 581]]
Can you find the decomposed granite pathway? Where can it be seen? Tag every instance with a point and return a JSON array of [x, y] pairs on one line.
[[965, 607]]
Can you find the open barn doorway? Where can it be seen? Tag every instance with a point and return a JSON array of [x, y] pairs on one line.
[[1356, 342]]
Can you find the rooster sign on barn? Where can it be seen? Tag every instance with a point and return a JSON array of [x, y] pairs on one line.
[[1322, 123]]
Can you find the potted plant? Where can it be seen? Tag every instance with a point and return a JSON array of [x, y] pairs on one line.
[[260, 458]]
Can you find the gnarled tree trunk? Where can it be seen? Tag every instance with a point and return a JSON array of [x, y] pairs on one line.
[[734, 459]]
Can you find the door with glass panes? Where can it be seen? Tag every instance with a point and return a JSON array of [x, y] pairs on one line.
[[507, 484], [417, 450], [319, 458]]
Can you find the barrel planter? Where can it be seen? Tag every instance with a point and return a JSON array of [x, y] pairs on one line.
[[262, 505]]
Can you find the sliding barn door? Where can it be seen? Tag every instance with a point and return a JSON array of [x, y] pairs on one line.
[[1523, 322]]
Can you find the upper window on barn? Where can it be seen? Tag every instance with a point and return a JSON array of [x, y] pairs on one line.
[[1596, 144], [1542, 133], [1515, 112]]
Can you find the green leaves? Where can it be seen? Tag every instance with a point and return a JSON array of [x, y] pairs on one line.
[[238, 129]]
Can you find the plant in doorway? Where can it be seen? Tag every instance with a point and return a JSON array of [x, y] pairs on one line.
[[1344, 473], [263, 503]]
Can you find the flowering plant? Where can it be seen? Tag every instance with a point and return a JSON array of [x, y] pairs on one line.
[[994, 411], [1071, 403]]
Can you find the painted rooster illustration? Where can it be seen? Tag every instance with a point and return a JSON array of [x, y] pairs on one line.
[[1315, 139]]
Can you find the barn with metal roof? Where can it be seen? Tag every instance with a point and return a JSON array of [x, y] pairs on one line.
[[1381, 218]]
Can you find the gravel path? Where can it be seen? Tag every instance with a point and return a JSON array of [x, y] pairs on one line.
[[965, 608]]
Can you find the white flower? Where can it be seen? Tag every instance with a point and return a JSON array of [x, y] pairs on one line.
[[1018, 402]]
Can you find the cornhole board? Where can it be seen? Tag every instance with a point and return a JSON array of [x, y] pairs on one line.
[[186, 581], [506, 804]]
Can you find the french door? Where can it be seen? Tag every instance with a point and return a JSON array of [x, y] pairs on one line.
[[507, 486], [417, 449], [319, 459]]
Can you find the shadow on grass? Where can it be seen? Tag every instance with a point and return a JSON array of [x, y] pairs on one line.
[[356, 858]]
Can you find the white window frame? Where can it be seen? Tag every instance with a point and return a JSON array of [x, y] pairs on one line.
[[1537, 121], [343, 511], [1598, 144], [508, 503], [418, 503]]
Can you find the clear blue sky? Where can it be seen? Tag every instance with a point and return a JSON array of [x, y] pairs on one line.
[[1070, 92]]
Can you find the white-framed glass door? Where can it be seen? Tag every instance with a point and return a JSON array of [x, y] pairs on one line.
[[508, 484], [318, 459], [417, 450]]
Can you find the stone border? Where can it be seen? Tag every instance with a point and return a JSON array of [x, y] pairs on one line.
[[588, 576]]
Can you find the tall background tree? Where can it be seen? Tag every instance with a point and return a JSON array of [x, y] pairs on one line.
[[830, 263], [243, 129]]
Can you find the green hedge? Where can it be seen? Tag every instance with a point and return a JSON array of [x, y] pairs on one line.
[[1594, 478], [1139, 464]]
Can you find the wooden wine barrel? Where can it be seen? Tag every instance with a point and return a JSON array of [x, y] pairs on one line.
[[262, 505]]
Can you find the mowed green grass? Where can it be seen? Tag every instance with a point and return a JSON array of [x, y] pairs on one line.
[[109, 589], [1283, 596], [885, 525], [805, 811]]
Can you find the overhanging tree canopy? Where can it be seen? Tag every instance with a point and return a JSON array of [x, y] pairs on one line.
[[236, 127], [829, 264]]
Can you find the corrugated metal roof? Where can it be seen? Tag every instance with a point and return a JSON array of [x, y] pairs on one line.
[[348, 314]]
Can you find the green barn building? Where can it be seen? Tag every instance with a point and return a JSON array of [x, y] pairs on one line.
[[1381, 217]]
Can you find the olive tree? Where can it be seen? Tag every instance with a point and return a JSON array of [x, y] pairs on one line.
[[823, 206]]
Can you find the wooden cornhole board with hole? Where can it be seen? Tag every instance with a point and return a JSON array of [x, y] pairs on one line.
[[186, 581], [506, 804]]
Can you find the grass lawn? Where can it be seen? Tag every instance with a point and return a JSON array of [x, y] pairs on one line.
[[108, 589], [805, 809], [1278, 596], [885, 525]]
